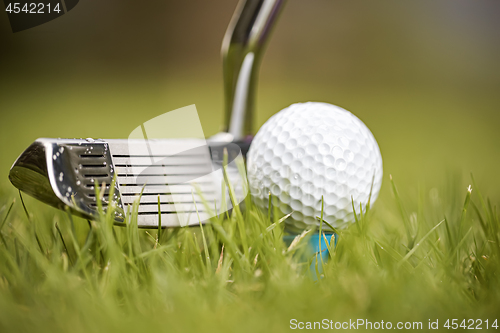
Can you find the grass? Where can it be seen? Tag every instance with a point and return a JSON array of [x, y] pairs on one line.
[[236, 273]]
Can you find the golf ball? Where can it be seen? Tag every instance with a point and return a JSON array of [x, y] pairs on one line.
[[313, 152]]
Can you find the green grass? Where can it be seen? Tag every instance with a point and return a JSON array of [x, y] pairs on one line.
[[382, 269], [407, 261]]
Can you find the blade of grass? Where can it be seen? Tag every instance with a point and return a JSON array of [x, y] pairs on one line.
[[205, 245], [31, 224], [412, 251], [5, 220], [64, 243], [402, 212]]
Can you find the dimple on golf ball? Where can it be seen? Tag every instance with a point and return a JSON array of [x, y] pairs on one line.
[[309, 151]]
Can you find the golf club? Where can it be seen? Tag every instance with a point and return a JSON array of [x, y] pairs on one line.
[[174, 178]]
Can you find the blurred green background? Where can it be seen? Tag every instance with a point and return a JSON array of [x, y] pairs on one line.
[[423, 75]]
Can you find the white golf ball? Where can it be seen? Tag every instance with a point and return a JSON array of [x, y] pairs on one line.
[[309, 151]]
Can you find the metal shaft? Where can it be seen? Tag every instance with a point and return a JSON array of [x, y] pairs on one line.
[[242, 49]]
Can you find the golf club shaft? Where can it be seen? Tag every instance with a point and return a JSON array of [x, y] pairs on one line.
[[242, 49]]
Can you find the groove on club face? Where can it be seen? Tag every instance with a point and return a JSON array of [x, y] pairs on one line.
[[63, 173]]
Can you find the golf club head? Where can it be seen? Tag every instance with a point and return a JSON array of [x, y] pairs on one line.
[[176, 184], [180, 180]]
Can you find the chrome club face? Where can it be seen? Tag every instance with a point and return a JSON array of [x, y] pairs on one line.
[[184, 187]]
